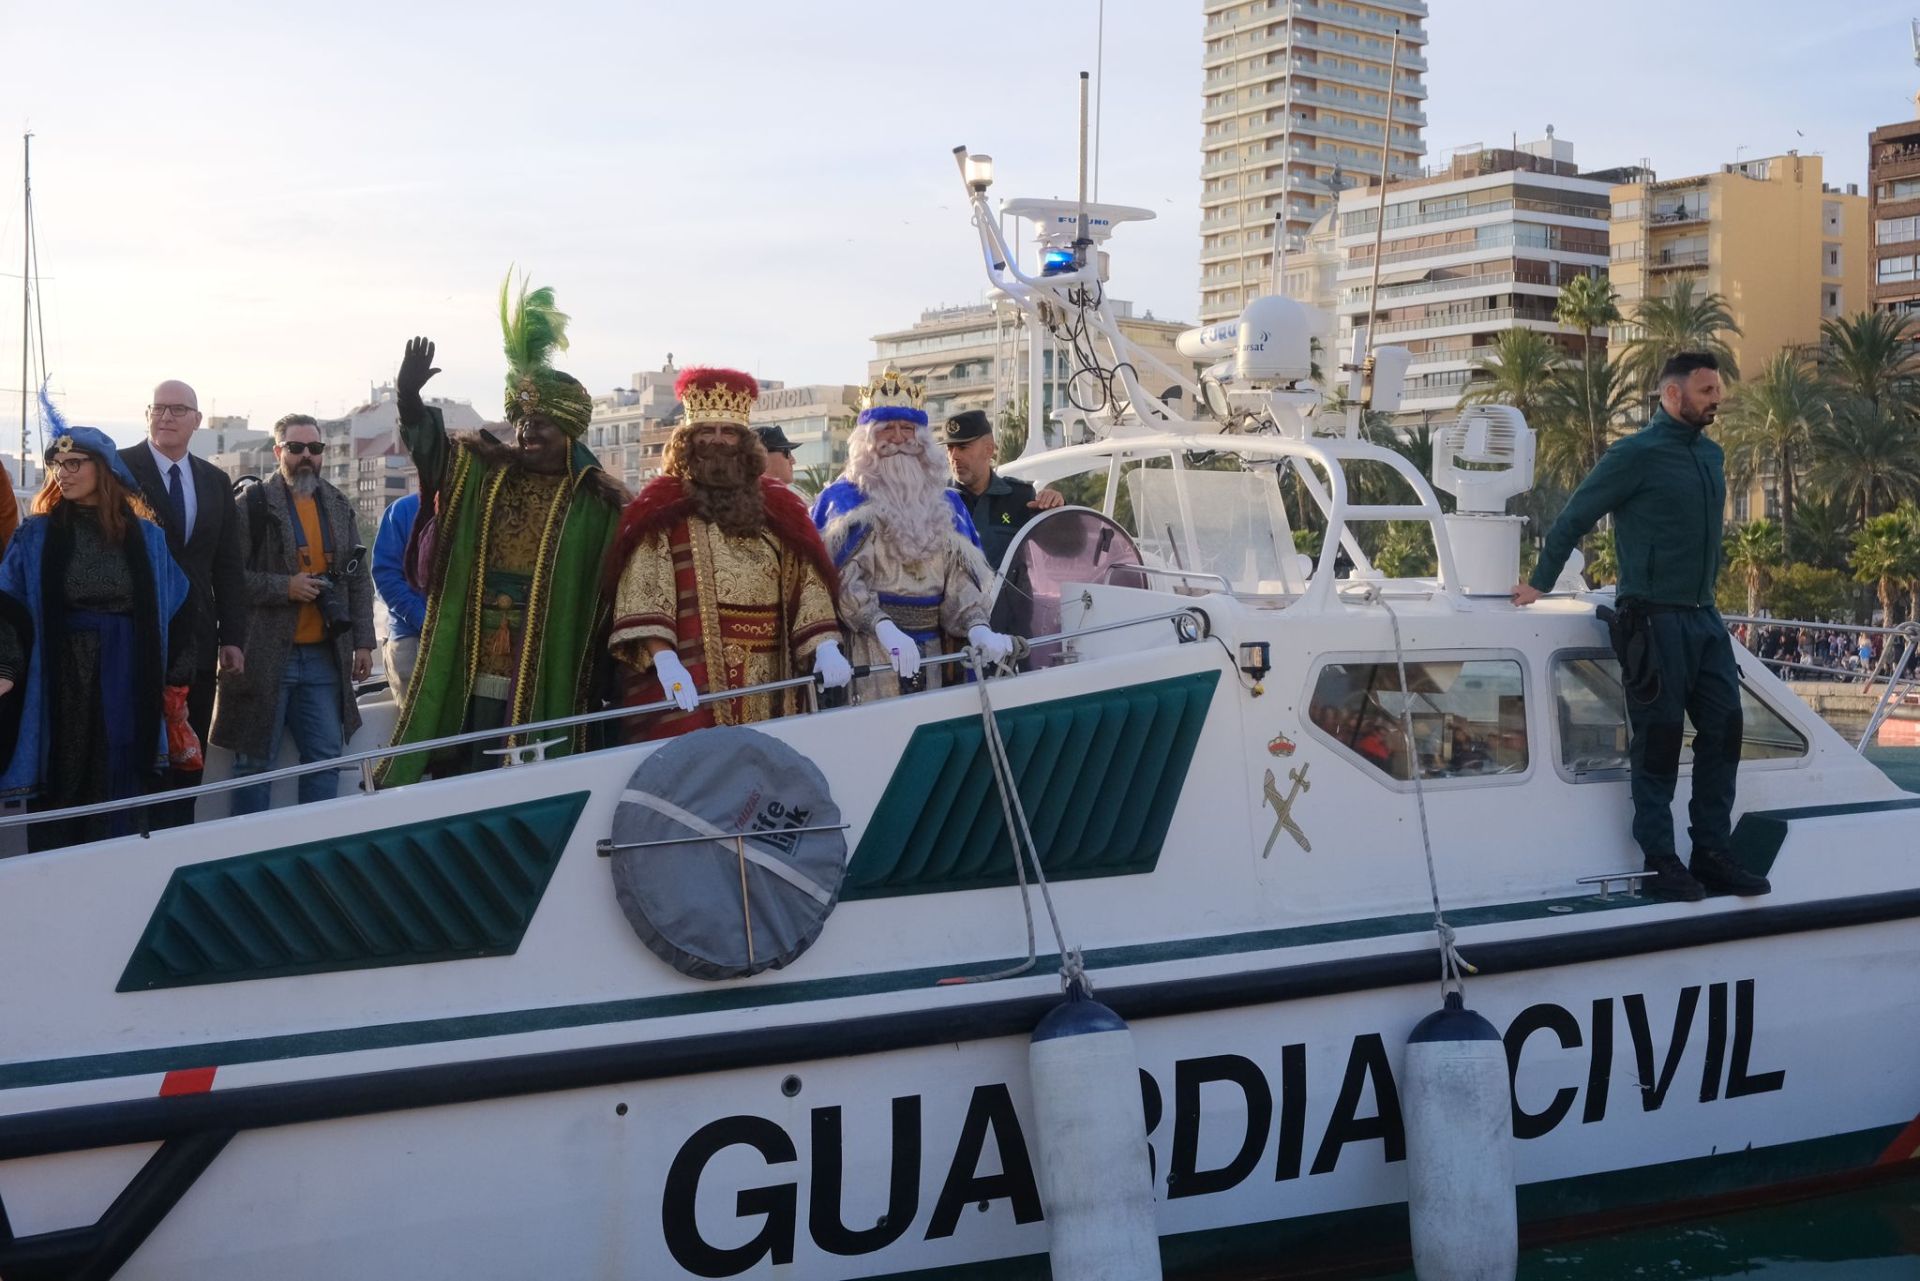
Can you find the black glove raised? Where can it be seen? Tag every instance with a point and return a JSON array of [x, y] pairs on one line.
[[416, 367]]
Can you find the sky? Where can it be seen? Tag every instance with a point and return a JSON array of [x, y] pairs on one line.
[[268, 200]]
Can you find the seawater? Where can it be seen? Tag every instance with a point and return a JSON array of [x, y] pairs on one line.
[[1870, 1234]]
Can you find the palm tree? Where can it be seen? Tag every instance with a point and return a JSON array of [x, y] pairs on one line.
[[1885, 553], [1768, 424], [1870, 356], [811, 480], [1603, 561], [1588, 303], [1581, 407], [1675, 323], [1405, 551], [1520, 372], [1754, 550], [1865, 456], [1822, 532]]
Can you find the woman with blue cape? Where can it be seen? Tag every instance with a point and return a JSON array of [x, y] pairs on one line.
[[88, 596]]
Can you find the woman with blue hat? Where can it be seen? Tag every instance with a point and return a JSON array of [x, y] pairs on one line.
[[88, 595]]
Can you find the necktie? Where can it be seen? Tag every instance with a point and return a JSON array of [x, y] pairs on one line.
[[177, 499]]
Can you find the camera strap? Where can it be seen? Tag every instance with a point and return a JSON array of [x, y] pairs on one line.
[[299, 529]]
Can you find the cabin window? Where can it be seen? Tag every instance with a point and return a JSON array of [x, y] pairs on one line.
[[1469, 715], [1590, 713]]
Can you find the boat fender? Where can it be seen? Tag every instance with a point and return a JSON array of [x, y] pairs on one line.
[[728, 852], [1458, 1110], [1096, 1175]]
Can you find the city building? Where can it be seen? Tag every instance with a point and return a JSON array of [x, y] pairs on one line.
[[975, 356], [1783, 249], [1480, 246], [817, 418], [630, 425], [1295, 105], [364, 458], [222, 434], [1893, 207], [1310, 274]]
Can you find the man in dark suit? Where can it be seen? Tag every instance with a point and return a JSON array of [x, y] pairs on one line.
[[194, 503]]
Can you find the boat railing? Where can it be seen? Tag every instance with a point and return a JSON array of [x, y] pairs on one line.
[[1188, 624], [1894, 664]]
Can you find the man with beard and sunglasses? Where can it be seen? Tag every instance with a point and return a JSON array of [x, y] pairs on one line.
[[507, 551], [298, 536], [718, 578], [913, 582]]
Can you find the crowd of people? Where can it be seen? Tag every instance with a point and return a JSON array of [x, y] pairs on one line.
[[1811, 653], [145, 609]]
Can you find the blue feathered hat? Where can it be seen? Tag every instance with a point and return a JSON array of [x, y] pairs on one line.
[[63, 438]]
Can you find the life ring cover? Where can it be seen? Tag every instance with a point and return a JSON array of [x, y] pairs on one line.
[[685, 899]]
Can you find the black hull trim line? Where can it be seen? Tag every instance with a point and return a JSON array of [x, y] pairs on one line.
[[437, 1085]]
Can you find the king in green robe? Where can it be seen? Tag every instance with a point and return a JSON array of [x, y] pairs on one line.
[[507, 552]]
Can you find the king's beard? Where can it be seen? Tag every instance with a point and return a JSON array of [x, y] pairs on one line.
[[905, 488], [724, 480], [303, 482]]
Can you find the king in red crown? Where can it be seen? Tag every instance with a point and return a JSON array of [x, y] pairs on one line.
[[719, 578]]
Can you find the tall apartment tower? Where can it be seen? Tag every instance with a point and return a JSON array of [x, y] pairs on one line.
[[1893, 194], [1295, 108]]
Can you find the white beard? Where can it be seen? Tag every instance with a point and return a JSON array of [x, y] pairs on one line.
[[905, 492]]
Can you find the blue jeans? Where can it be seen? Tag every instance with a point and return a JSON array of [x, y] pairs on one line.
[[309, 705]]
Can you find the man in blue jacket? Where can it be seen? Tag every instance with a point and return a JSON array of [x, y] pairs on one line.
[[1665, 487], [406, 609]]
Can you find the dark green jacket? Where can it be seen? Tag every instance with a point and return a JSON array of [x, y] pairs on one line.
[[998, 512], [1666, 488]]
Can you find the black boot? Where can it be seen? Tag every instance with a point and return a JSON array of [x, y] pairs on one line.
[[1672, 880], [1722, 875]]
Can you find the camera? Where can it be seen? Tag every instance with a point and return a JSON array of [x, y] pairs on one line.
[[332, 600]]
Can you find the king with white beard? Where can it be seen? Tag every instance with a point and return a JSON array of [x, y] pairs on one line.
[[913, 582]]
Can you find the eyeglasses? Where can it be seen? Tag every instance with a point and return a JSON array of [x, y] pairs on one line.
[[313, 447], [171, 411], [71, 466]]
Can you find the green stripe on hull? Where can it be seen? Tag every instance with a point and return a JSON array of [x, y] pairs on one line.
[[1760, 833], [1099, 775], [94, 1067], [440, 890], [1547, 1210]]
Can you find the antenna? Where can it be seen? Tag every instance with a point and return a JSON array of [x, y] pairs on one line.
[[1916, 42]]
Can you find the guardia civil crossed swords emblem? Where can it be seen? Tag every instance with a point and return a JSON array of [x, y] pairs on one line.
[[1283, 808]]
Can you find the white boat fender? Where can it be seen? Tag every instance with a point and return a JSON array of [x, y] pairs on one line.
[[1096, 1177], [1458, 1111]]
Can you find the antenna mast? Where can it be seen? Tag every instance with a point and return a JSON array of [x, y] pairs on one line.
[[26, 287]]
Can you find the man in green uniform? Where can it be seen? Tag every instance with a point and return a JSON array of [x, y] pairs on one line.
[[998, 504], [507, 550], [1665, 487]]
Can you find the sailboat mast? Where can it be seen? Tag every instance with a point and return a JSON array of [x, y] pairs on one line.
[[26, 286]]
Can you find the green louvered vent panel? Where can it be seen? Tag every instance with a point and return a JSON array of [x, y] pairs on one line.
[[1099, 774], [441, 890]]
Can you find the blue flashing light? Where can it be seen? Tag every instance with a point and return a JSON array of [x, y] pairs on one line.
[[1055, 261]]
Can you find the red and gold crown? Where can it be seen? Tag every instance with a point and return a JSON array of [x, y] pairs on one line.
[[712, 395]]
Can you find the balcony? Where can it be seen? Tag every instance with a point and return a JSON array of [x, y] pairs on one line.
[[1680, 217], [1410, 31], [1447, 320], [1356, 295], [1360, 133], [1677, 260]]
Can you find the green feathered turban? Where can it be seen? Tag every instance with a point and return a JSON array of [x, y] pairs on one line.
[[534, 329]]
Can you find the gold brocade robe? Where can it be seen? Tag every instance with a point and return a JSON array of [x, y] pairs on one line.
[[739, 610]]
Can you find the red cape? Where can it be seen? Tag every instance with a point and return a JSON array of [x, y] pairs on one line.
[[664, 502]]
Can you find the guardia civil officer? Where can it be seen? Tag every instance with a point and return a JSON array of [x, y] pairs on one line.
[[1665, 488], [998, 504]]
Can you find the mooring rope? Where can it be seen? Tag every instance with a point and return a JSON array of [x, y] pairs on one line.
[[1014, 813], [1451, 962]]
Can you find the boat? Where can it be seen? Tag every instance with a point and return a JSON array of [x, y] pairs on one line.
[[757, 1001]]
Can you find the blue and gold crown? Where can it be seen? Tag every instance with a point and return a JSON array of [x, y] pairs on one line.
[[893, 398]]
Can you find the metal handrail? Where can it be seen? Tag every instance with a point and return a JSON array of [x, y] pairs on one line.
[[1908, 631], [367, 757]]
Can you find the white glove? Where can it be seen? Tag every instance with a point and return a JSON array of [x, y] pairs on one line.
[[674, 681], [904, 653], [831, 666], [993, 646]]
